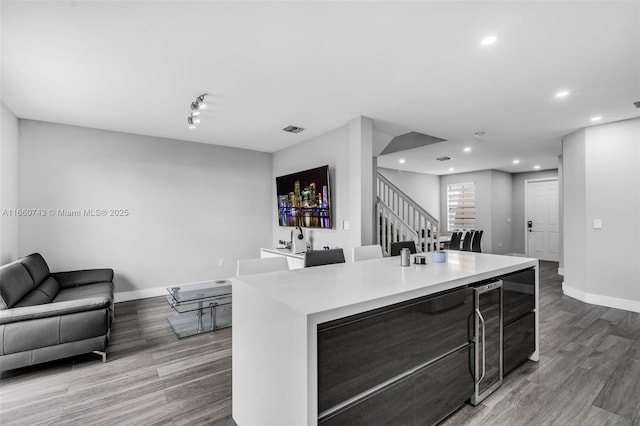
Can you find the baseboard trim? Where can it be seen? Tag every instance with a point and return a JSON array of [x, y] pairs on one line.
[[561, 271], [597, 299], [125, 296]]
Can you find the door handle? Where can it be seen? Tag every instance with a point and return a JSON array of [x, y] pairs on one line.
[[481, 318]]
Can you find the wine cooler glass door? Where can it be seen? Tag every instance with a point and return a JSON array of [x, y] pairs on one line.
[[488, 340]]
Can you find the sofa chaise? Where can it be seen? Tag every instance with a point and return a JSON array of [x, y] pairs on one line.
[[46, 316]]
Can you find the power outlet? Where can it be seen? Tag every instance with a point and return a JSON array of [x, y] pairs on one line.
[[221, 263]]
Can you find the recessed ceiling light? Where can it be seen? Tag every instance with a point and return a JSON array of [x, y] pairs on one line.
[[467, 149], [562, 94], [401, 161], [536, 167], [489, 40], [516, 161], [596, 118], [451, 169]]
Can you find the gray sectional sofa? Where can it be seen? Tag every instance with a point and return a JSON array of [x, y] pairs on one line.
[[46, 316]]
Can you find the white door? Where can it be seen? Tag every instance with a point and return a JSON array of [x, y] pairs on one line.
[[542, 219]]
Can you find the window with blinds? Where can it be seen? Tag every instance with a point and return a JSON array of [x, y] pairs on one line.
[[461, 206]]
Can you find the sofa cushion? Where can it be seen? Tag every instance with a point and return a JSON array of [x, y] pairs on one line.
[[15, 283], [50, 287], [44, 293], [36, 297], [82, 292], [37, 267]]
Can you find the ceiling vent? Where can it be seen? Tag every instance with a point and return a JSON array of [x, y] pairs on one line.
[[443, 158], [293, 129], [637, 104]]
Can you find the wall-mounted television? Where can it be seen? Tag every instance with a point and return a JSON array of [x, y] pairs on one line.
[[304, 199]]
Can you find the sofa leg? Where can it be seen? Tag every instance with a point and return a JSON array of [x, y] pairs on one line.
[[103, 354]]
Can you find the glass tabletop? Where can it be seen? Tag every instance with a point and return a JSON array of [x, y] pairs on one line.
[[200, 291]]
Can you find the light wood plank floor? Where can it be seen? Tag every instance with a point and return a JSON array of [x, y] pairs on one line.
[[588, 374]]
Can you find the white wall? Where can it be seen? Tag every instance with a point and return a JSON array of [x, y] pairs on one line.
[[360, 181], [423, 188], [518, 214], [9, 142], [601, 177], [483, 183], [612, 183], [189, 204], [332, 149], [501, 212]]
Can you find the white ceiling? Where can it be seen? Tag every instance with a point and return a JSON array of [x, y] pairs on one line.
[[411, 66]]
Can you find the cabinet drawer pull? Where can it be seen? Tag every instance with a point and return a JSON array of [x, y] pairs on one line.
[[481, 318]]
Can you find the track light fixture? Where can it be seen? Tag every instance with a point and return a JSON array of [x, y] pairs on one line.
[[195, 107], [200, 101]]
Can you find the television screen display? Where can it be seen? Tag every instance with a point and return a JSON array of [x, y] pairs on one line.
[[304, 199]]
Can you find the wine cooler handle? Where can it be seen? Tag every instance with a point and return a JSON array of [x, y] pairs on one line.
[[483, 345]]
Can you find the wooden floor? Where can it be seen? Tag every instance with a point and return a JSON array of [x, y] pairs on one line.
[[588, 374]]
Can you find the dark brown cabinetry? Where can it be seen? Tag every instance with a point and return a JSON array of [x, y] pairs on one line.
[[519, 341], [443, 387], [371, 365], [519, 318], [423, 398], [358, 353]]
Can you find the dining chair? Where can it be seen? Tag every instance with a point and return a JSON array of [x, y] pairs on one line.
[[323, 257], [475, 243], [258, 266], [466, 241], [454, 243], [367, 252], [399, 245]]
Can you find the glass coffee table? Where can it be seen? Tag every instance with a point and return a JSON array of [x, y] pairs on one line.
[[201, 307]]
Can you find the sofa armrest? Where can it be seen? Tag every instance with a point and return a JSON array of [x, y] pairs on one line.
[[26, 313], [84, 277]]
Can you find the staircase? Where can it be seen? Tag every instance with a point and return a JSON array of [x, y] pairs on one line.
[[399, 218]]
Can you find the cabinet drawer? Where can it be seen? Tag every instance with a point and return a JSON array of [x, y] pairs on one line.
[[392, 406], [359, 354], [519, 294], [442, 387], [519, 341], [442, 324]]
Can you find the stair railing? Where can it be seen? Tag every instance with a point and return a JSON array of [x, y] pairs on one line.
[[400, 218]]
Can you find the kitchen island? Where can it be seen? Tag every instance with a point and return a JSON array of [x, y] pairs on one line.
[[295, 333]]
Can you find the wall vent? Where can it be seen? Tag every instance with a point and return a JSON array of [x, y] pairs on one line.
[[293, 129], [443, 158]]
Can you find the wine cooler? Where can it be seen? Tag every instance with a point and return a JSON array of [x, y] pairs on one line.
[[488, 339]]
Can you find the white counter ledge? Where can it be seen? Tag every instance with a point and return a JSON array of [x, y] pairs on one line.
[[275, 318], [355, 287]]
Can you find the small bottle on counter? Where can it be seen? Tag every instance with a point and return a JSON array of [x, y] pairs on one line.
[[405, 257]]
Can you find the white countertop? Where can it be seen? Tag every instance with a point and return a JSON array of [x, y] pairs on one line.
[[379, 282], [284, 252]]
